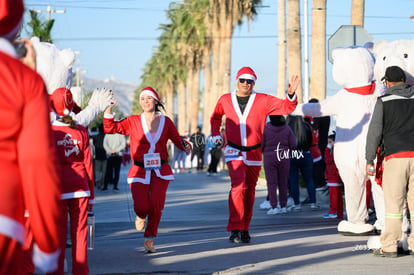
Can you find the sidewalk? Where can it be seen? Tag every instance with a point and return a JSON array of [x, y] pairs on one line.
[[192, 237]]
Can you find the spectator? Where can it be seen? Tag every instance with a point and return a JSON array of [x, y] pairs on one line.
[[198, 139], [335, 184], [301, 161], [99, 160], [278, 141], [114, 145]]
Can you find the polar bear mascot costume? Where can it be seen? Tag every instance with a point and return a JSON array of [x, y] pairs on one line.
[[396, 53], [55, 67], [352, 107]]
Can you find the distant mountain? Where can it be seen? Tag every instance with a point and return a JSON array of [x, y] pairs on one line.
[[123, 91]]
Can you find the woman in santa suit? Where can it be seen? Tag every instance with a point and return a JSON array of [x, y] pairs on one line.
[[74, 161], [150, 172]]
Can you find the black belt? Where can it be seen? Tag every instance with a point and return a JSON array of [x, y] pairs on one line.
[[141, 164], [244, 148]]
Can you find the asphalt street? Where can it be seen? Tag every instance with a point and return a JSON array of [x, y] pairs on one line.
[[192, 237]]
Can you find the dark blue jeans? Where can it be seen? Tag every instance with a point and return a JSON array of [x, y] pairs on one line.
[[304, 163]]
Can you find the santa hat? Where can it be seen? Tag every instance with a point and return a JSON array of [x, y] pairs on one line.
[[149, 91], [11, 16], [246, 73], [62, 101]]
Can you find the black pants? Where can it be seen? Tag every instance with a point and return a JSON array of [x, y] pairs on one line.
[[215, 159], [200, 158], [319, 173], [113, 168]]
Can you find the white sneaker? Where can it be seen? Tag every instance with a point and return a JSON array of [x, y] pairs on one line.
[[295, 207], [273, 211], [265, 205], [314, 206], [282, 210], [290, 202]]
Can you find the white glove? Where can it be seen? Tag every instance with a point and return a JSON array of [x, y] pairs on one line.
[[101, 99]]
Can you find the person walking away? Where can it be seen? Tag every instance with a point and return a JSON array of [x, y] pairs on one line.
[[28, 171], [150, 173], [114, 146], [99, 161], [302, 161], [75, 168], [198, 140], [335, 183], [215, 156], [246, 111], [277, 143], [391, 123]]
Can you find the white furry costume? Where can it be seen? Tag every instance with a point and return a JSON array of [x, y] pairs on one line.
[[55, 67], [353, 68]]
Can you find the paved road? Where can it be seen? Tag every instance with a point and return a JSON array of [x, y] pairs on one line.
[[192, 237]]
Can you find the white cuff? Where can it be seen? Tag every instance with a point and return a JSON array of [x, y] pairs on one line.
[[46, 262], [109, 116]]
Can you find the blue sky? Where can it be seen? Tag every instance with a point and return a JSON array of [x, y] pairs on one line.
[[116, 38]]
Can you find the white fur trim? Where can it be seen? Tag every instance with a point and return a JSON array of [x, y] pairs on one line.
[[11, 228], [75, 195], [46, 262], [66, 112], [247, 76], [150, 93], [109, 116]]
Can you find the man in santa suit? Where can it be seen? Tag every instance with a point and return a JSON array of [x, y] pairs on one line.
[[246, 112], [28, 172]]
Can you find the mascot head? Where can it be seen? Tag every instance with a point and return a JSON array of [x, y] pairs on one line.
[[396, 53], [54, 65], [353, 66]]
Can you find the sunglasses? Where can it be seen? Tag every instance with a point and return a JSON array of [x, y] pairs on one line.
[[249, 81]]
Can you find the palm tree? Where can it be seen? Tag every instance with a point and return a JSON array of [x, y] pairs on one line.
[[318, 64], [358, 10], [281, 69], [294, 43], [41, 29]]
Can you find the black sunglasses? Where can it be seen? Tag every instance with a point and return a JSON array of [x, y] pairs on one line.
[[249, 81]]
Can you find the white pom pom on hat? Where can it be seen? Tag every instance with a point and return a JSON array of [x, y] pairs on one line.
[[62, 101], [11, 16], [246, 73], [149, 91]]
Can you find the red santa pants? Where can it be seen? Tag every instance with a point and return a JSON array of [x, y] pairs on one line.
[[78, 215], [11, 255], [149, 200], [241, 197], [336, 201]]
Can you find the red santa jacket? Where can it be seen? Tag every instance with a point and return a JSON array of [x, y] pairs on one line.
[[74, 160], [142, 142], [28, 171], [246, 129], [331, 172], [314, 148]]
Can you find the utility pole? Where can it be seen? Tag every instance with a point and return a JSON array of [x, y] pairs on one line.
[[49, 11]]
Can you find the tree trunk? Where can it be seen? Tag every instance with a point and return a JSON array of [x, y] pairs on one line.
[[194, 99], [182, 112], [358, 10], [281, 69], [294, 44], [318, 64], [169, 106], [209, 99]]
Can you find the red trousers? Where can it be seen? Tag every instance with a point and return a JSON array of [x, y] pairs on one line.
[[241, 197], [149, 200], [78, 215], [336, 203], [11, 256]]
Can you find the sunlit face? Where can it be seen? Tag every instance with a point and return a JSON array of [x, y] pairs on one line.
[[147, 103], [244, 88]]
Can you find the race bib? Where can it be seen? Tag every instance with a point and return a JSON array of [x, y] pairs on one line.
[[152, 161], [231, 153]]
